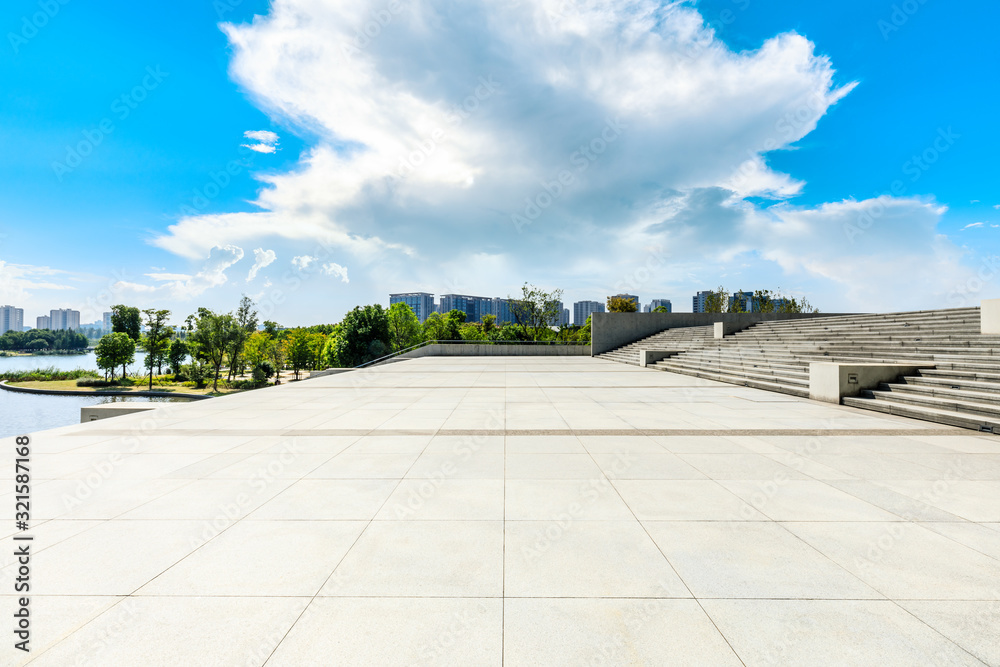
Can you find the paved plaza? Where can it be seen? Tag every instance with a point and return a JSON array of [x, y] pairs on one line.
[[506, 510]]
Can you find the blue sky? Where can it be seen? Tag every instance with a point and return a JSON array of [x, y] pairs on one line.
[[745, 143]]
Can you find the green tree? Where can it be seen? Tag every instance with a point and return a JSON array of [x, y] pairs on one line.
[[404, 327], [271, 328], [114, 350], [246, 324], [441, 327], [126, 320], [717, 301], [661, 309], [213, 335], [535, 311], [177, 354], [157, 339], [619, 304], [297, 350], [458, 315], [488, 323], [364, 336]]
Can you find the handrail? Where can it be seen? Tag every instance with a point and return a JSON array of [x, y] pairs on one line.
[[467, 342]]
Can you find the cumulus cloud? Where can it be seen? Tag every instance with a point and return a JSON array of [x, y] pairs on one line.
[[19, 281], [531, 133], [337, 271], [302, 261], [183, 287], [262, 258], [265, 141]]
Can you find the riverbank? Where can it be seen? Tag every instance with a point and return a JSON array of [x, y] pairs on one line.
[[69, 388]]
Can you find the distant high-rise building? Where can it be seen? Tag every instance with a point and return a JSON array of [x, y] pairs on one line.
[[631, 297], [501, 309], [556, 320], [656, 303], [474, 307], [747, 303], [43, 322], [698, 302], [583, 309], [564, 319], [11, 319], [64, 318], [107, 323], [421, 303]]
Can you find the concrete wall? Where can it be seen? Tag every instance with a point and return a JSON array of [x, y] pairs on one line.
[[95, 412], [471, 350], [611, 330], [830, 382], [989, 315]]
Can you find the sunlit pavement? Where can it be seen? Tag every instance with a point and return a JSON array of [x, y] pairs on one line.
[[530, 511]]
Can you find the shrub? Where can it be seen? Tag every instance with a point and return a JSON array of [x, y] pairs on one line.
[[95, 382]]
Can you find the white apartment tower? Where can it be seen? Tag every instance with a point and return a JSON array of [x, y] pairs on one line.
[[11, 319]]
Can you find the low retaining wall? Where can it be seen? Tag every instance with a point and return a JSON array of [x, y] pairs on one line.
[[459, 350], [611, 330]]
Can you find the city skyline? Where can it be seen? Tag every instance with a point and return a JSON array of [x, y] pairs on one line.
[[225, 154]]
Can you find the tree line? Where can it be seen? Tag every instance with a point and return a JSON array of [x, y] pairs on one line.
[[40, 340]]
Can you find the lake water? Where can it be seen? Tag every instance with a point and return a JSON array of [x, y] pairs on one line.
[[63, 362], [21, 414]]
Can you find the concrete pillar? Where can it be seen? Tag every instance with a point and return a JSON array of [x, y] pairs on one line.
[[989, 316]]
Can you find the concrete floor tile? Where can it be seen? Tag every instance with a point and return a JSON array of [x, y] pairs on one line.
[[423, 558], [971, 625], [552, 466], [830, 632], [566, 558], [445, 499], [684, 500], [904, 560], [544, 499], [545, 631], [751, 560], [395, 631], [227, 631], [271, 558], [801, 500], [328, 499]]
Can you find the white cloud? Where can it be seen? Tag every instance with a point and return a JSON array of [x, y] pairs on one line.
[[265, 141], [263, 136], [183, 287], [16, 279], [302, 262], [660, 133], [973, 225], [336, 270], [262, 258]]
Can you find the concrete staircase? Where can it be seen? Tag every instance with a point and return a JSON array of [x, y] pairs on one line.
[[687, 338], [963, 388]]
